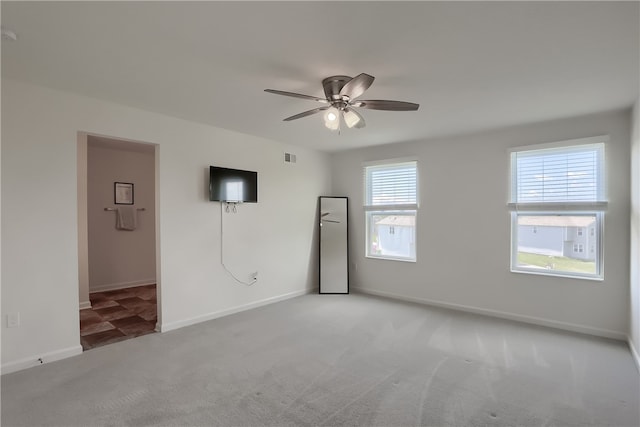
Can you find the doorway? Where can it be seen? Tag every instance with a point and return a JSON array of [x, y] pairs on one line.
[[119, 294]]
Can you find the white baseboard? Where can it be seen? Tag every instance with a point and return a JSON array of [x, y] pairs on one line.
[[589, 330], [634, 352], [52, 356], [39, 359], [216, 314], [122, 285], [85, 305]]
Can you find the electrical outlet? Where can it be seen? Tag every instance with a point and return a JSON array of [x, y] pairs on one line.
[[13, 320]]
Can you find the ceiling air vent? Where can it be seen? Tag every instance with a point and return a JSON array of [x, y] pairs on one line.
[[289, 158]]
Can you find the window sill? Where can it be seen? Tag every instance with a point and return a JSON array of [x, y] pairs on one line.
[[562, 275], [389, 258]]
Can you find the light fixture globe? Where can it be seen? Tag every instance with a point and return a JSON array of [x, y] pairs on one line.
[[332, 118], [352, 118]]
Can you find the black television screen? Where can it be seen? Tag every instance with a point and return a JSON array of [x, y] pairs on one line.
[[232, 185]]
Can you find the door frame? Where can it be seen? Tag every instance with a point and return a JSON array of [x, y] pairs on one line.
[[83, 220]]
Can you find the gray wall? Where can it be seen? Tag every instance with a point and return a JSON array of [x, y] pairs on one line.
[[276, 237], [463, 185]]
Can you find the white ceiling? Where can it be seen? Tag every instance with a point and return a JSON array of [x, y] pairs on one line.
[[471, 66]]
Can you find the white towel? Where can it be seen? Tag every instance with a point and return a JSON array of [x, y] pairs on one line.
[[126, 218]]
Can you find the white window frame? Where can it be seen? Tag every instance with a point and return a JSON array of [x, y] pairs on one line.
[[599, 274], [399, 209], [596, 208]]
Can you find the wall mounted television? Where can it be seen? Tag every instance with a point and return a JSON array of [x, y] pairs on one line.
[[232, 185]]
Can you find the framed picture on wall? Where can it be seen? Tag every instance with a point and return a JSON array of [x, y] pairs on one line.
[[123, 193]]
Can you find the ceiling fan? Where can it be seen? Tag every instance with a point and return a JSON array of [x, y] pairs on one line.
[[341, 100]]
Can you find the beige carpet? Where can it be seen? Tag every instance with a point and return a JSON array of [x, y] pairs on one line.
[[336, 360]]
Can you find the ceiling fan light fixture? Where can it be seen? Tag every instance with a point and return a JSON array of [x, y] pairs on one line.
[[332, 118], [351, 119]]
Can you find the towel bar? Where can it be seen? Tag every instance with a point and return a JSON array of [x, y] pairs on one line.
[[114, 209]]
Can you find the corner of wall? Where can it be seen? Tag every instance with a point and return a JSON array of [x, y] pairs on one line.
[[634, 352]]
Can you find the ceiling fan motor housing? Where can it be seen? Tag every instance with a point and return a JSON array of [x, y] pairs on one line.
[[333, 85]]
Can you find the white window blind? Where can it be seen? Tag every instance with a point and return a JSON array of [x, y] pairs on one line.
[[569, 177], [558, 192], [391, 205], [391, 185]]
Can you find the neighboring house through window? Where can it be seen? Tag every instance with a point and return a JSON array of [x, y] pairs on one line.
[[558, 190], [391, 204]]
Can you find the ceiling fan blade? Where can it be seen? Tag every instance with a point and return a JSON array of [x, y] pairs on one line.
[[306, 113], [297, 95], [387, 105], [357, 85]]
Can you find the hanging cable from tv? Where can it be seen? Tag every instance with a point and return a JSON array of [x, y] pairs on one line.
[[231, 207]]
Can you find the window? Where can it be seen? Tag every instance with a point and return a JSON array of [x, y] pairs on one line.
[[558, 190], [390, 204]]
